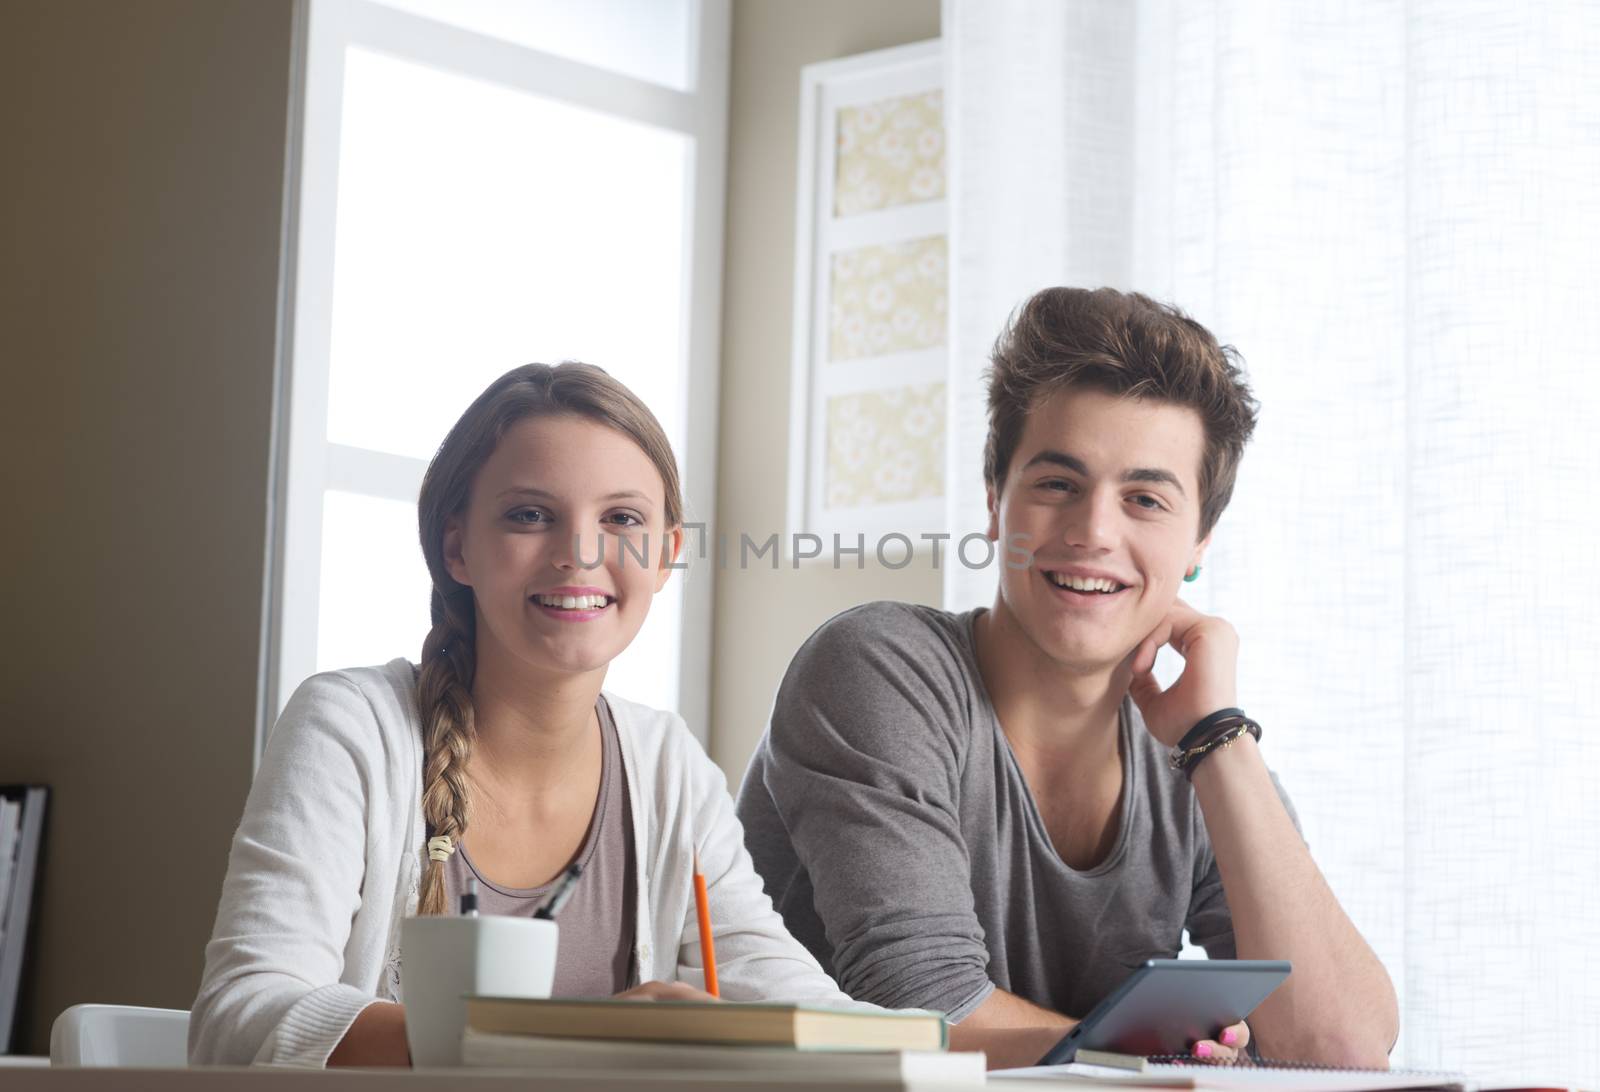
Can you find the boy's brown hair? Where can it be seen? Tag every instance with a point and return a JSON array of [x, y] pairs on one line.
[[1128, 345]]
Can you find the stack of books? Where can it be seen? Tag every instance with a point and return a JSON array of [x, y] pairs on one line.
[[21, 834], [822, 1044]]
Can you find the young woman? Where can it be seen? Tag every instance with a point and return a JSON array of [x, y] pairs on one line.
[[549, 519]]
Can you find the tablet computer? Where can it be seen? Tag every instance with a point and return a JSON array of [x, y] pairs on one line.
[[1168, 1004]]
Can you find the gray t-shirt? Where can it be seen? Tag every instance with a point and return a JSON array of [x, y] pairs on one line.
[[595, 956], [897, 836]]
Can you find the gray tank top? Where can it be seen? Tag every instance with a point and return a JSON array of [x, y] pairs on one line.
[[595, 957]]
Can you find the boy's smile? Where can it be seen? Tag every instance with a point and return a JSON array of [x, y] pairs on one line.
[[1102, 497]]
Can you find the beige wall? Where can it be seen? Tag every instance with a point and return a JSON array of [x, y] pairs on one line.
[[138, 301], [762, 616], [143, 149]]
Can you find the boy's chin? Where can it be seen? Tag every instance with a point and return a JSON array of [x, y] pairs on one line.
[[1094, 668], [1079, 646], [1077, 656]]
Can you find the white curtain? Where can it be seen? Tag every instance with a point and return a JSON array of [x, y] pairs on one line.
[[1393, 210]]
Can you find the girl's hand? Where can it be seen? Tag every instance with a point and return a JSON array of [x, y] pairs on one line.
[[1227, 1047], [1210, 650], [664, 991]]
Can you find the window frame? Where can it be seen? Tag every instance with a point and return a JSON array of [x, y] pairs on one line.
[[303, 464]]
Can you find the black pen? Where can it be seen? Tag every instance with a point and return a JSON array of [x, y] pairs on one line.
[[469, 898], [558, 898]]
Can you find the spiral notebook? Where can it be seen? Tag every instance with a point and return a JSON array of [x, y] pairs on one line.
[[1181, 1071], [1129, 1038]]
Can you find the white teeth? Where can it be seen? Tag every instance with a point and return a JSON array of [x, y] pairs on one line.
[[1078, 583], [571, 602]]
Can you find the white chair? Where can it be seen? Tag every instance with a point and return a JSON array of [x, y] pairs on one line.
[[120, 1035]]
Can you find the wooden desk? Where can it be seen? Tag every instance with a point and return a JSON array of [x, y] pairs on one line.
[[283, 1079]]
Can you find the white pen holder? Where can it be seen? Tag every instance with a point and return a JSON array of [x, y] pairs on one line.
[[443, 959]]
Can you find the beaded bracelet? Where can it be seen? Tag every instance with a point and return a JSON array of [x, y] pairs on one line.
[[1225, 735]]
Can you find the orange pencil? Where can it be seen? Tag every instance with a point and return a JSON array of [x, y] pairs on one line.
[[702, 905]]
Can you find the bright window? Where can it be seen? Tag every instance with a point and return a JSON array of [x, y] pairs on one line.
[[473, 196], [649, 39], [526, 228]]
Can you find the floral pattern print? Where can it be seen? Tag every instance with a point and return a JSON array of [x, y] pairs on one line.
[[885, 446], [888, 299], [889, 153]]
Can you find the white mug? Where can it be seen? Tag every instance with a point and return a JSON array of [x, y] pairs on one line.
[[444, 958]]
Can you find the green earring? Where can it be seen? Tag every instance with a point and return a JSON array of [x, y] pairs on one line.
[[1190, 578]]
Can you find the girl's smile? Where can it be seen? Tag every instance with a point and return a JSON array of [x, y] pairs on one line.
[[564, 543], [571, 603]]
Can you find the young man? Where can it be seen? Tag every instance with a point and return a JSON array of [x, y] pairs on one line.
[[976, 813]]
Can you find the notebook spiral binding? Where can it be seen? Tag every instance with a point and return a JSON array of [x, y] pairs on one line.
[[1248, 1062]]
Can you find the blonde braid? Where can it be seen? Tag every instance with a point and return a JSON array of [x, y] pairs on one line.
[[444, 695]]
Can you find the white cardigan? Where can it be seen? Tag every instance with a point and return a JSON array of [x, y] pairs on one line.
[[327, 860]]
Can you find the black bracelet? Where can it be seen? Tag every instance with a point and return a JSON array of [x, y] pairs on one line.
[[1198, 732], [1188, 761]]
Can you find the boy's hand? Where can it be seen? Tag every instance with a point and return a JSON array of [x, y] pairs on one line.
[[1210, 650]]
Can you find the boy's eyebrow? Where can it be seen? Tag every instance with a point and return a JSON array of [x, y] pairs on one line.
[[1138, 474], [534, 491]]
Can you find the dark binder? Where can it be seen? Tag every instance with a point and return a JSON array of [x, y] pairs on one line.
[[18, 900]]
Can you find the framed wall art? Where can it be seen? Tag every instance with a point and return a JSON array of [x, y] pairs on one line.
[[868, 409]]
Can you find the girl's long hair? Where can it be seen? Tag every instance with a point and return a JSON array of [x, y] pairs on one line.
[[444, 680]]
